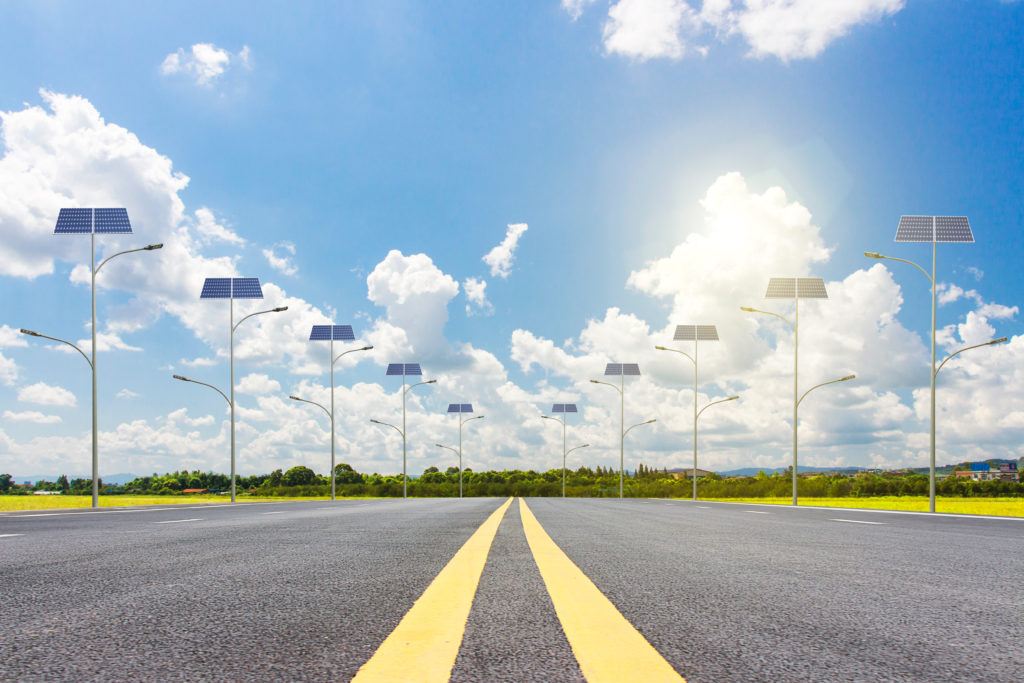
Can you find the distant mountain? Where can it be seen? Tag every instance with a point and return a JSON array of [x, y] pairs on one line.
[[751, 471], [107, 478]]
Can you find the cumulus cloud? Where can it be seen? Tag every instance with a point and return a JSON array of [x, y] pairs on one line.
[[785, 29], [8, 371], [205, 63], [258, 383], [476, 297], [211, 230], [31, 416], [501, 257], [127, 394], [282, 262], [45, 394]]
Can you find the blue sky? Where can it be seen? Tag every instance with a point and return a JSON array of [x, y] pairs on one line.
[[346, 131]]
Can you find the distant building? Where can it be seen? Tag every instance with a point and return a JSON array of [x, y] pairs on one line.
[[982, 471], [685, 472]]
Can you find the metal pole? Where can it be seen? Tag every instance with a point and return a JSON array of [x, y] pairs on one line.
[[622, 432], [695, 417], [330, 367], [796, 390], [405, 483], [95, 418], [564, 454], [231, 362], [460, 452], [931, 465]]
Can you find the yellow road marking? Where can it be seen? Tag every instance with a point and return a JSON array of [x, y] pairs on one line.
[[606, 645], [424, 645]]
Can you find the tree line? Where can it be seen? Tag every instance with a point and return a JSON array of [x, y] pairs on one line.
[[597, 482]]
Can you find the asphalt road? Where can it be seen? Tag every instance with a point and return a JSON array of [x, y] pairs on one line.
[[308, 591]]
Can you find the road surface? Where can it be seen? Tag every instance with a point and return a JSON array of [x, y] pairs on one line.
[[553, 590]]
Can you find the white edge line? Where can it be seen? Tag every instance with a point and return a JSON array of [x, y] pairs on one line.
[[855, 521], [757, 512], [175, 521], [954, 515], [9, 535]]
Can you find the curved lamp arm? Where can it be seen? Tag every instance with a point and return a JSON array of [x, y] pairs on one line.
[[679, 351], [441, 445], [640, 424], [478, 417], [818, 386], [148, 247], [313, 403], [991, 342], [419, 384], [62, 341], [715, 403], [195, 381], [576, 448], [279, 309], [607, 384], [748, 309], [345, 353], [387, 424], [876, 255]]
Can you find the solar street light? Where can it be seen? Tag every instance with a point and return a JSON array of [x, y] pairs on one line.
[[405, 370], [794, 288], [181, 378], [92, 222], [620, 370], [334, 333], [462, 409], [694, 333], [562, 409], [933, 230], [695, 418], [232, 288]]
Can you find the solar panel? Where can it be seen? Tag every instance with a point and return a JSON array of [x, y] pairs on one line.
[[112, 221], [216, 288], [953, 229], [628, 369], [400, 369], [811, 288], [73, 221], [460, 407], [467, 407], [563, 408], [324, 333], [696, 332], [320, 333], [791, 287], [246, 288], [915, 229], [343, 333]]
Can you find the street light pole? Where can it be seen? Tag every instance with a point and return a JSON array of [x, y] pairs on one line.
[[462, 422], [565, 456], [699, 413], [564, 453], [330, 416], [334, 360], [622, 425], [231, 362]]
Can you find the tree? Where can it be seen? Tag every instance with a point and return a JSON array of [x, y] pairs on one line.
[[6, 481], [62, 483], [344, 474], [300, 475]]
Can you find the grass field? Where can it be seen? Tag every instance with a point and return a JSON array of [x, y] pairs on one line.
[[10, 503], [1003, 507]]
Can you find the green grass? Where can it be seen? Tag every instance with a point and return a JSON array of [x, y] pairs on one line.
[[11, 503], [1003, 507]]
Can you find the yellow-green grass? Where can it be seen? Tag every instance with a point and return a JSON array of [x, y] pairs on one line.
[[1003, 507], [10, 503]]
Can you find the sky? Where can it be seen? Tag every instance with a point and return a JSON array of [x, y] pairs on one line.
[[512, 195]]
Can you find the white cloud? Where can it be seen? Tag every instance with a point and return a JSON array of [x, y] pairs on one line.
[[258, 383], [32, 416], [11, 338], [127, 394], [47, 395], [203, 62], [649, 29], [785, 29], [210, 230], [8, 371], [501, 257], [282, 263], [476, 297]]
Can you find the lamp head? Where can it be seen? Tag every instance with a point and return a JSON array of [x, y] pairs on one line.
[[29, 332], [873, 254], [440, 445], [295, 398], [748, 309], [586, 445], [660, 348], [431, 381], [366, 348], [594, 381], [651, 421], [151, 247], [376, 422], [280, 309], [997, 341], [181, 377], [848, 378], [733, 398]]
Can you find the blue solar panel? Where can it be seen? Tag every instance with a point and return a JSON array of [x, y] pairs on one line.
[[460, 407], [467, 407], [216, 288], [344, 333], [413, 369], [396, 369], [320, 332], [246, 288], [112, 221], [73, 221], [563, 408], [628, 369], [613, 369]]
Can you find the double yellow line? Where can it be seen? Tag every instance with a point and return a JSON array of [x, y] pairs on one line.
[[424, 645]]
